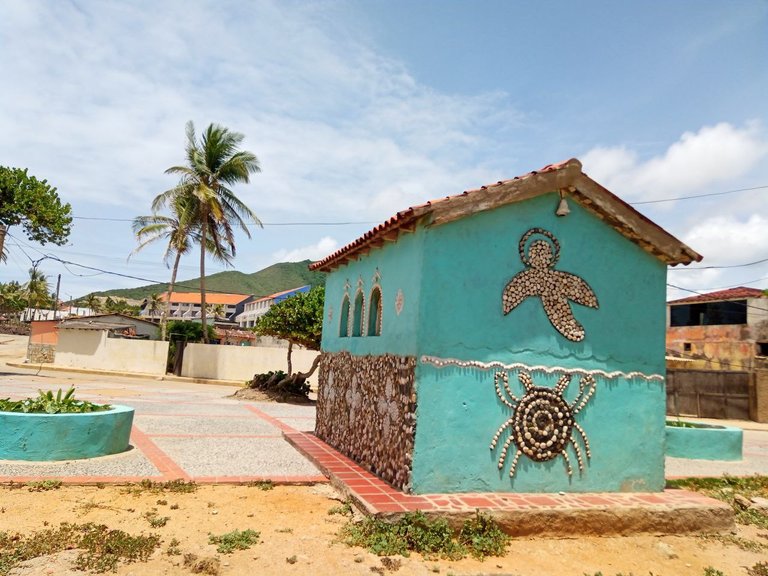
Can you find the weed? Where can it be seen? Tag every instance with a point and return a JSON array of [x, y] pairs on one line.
[[284, 530], [482, 536], [174, 506], [292, 559], [743, 543], [413, 532], [173, 548], [43, 485], [709, 571], [162, 502], [103, 549], [344, 509], [235, 540], [391, 564], [759, 569], [726, 489], [86, 507], [178, 486], [262, 484], [208, 565], [156, 521]]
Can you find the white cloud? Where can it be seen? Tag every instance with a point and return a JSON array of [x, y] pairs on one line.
[[713, 155], [725, 240], [325, 246]]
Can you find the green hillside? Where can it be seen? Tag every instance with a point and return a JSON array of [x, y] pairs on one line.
[[276, 278]]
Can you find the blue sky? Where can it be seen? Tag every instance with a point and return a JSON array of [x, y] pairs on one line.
[[359, 109]]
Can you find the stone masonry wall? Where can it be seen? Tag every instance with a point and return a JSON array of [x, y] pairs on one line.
[[41, 353], [366, 409]]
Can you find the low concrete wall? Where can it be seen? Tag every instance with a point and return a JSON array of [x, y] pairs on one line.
[[758, 397], [705, 442], [240, 363], [91, 349]]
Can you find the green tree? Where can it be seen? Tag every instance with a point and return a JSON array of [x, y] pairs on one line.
[[13, 298], [214, 164], [33, 204], [179, 231], [154, 302], [93, 303], [299, 320], [37, 289]]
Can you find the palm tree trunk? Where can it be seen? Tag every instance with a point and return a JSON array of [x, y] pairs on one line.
[[203, 319], [167, 307]]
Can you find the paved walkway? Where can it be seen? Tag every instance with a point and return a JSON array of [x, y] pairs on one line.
[[197, 432], [180, 430]]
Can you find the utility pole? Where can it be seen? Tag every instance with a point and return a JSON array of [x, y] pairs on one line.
[[56, 299]]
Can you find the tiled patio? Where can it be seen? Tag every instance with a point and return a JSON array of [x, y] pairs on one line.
[[669, 512]]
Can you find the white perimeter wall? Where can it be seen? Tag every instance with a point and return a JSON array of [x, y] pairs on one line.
[[91, 349], [241, 362]]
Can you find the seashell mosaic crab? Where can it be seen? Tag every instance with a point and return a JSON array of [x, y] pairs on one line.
[[543, 422]]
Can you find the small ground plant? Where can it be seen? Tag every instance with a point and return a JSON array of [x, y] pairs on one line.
[[43, 485], [727, 489], [177, 486], [432, 538], [48, 403], [102, 549], [235, 540]]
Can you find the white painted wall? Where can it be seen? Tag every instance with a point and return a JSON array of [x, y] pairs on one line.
[[240, 363], [92, 350]]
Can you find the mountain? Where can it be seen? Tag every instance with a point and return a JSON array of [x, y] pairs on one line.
[[275, 278]]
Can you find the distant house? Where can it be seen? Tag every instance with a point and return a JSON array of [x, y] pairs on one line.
[[45, 334], [723, 330], [117, 325], [255, 309], [508, 338], [186, 305]]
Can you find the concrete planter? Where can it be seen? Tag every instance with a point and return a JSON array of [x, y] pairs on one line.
[[47, 437], [704, 442]]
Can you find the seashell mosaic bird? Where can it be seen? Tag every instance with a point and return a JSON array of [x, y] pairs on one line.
[[555, 288]]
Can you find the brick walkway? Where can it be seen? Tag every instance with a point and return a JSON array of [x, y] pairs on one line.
[[669, 512]]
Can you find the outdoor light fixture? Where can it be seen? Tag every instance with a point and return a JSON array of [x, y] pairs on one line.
[[562, 207]]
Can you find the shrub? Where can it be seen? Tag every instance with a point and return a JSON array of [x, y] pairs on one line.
[[47, 403]]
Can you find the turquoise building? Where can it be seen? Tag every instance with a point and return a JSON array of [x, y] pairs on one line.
[[506, 339]]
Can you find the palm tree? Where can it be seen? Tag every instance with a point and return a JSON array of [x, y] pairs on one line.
[[213, 165], [153, 304], [37, 289], [93, 303], [179, 230]]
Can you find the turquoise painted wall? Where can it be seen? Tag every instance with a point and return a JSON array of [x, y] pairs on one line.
[[399, 265], [466, 266]]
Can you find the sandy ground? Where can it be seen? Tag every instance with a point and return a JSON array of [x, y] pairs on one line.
[[298, 536]]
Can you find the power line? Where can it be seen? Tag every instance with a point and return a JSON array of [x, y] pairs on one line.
[[738, 302], [698, 196], [720, 267], [350, 223]]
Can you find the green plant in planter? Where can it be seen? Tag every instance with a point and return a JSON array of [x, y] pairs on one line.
[[47, 403], [680, 424]]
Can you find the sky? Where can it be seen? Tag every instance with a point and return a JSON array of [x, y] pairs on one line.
[[359, 109]]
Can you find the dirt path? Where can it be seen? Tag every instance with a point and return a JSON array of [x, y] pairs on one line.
[[298, 536]]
